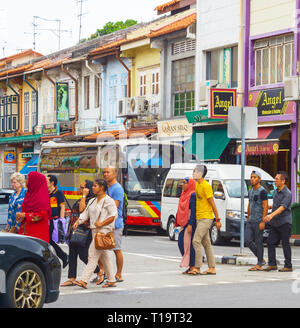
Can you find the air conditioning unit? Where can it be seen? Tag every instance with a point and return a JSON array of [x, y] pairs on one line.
[[138, 106], [191, 32], [154, 107], [124, 107], [222, 86], [204, 92], [292, 88]]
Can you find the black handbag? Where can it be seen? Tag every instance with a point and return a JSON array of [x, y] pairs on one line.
[[80, 236]]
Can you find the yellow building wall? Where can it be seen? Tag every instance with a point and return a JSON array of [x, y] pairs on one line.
[[144, 59], [27, 88], [271, 15]]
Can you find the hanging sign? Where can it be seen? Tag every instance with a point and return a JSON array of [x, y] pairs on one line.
[[221, 100]]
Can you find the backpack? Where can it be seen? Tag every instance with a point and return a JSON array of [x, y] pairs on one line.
[[124, 213]]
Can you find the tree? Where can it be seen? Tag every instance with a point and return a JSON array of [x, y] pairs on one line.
[[111, 27]]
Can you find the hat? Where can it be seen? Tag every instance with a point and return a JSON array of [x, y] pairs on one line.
[[257, 173]]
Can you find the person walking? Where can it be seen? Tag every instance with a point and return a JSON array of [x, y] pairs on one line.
[[186, 220], [75, 251], [102, 214], [205, 211], [36, 211], [281, 222], [257, 210], [57, 203], [116, 192], [15, 202]]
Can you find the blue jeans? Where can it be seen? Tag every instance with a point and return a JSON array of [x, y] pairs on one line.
[[254, 240]]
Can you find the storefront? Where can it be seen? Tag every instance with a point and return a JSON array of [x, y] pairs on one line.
[[275, 147], [209, 140], [16, 152]]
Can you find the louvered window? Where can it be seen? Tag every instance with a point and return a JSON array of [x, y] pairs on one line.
[[184, 46]]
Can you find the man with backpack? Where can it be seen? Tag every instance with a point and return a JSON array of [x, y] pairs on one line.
[[57, 203], [257, 210]]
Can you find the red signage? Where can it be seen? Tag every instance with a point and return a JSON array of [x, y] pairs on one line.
[[259, 148]]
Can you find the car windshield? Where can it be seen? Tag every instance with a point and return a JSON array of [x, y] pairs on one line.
[[234, 188]]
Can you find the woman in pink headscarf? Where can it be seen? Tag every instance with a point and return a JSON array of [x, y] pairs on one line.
[[36, 209], [186, 220]]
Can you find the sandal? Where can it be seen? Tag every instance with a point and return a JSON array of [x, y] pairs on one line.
[[109, 285], [205, 273], [100, 279], [186, 272], [81, 284], [193, 272], [256, 268], [68, 283], [118, 279]]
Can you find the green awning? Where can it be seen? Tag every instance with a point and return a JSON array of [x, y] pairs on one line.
[[20, 139], [213, 141]]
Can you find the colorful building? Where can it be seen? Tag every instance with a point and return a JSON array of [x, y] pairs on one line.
[[271, 54]]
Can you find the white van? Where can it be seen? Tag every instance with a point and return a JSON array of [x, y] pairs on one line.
[[225, 180]]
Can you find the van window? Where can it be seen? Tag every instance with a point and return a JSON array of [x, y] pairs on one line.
[[173, 188], [217, 186]]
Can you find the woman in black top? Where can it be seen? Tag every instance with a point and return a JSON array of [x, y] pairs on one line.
[[75, 251]]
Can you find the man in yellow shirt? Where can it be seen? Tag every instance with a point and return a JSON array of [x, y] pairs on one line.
[[205, 211]]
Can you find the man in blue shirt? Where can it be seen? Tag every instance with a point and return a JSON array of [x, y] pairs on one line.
[[257, 210], [116, 192]]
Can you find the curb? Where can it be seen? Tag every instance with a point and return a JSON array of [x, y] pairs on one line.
[[236, 260], [295, 242]]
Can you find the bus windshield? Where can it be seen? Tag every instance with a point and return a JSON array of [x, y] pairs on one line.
[[148, 167]]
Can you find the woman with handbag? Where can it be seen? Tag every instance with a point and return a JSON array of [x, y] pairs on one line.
[[79, 244], [186, 220], [102, 214]]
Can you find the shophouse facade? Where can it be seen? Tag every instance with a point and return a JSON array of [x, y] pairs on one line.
[[272, 51]]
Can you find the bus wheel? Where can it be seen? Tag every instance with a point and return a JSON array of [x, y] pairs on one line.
[[170, 228]]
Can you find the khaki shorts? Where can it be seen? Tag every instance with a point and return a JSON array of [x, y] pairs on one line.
[[118, 233]]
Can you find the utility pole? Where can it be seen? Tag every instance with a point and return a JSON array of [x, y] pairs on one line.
[[81, 14], [57, 32]]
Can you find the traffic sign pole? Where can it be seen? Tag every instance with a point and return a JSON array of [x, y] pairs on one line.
[[243, 130]]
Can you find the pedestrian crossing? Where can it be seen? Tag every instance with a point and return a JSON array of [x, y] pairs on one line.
[[144, 282]]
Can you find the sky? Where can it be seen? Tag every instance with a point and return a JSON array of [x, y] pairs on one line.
[[16, 21]]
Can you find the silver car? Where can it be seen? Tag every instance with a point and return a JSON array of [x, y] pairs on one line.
[[4, 200]]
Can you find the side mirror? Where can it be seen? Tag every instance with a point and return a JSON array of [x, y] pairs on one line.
[[219, 195]]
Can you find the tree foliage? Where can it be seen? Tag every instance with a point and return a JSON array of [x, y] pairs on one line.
[[111, 27]]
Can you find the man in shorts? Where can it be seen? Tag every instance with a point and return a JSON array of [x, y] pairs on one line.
[[116, 192]]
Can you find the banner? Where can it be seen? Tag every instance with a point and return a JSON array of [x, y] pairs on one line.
[[62, 101]]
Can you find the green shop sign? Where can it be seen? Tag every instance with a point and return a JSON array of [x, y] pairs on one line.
[[200, 116]]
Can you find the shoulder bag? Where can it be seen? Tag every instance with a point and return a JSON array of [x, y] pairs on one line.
[[80, 236], [104, 241]]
